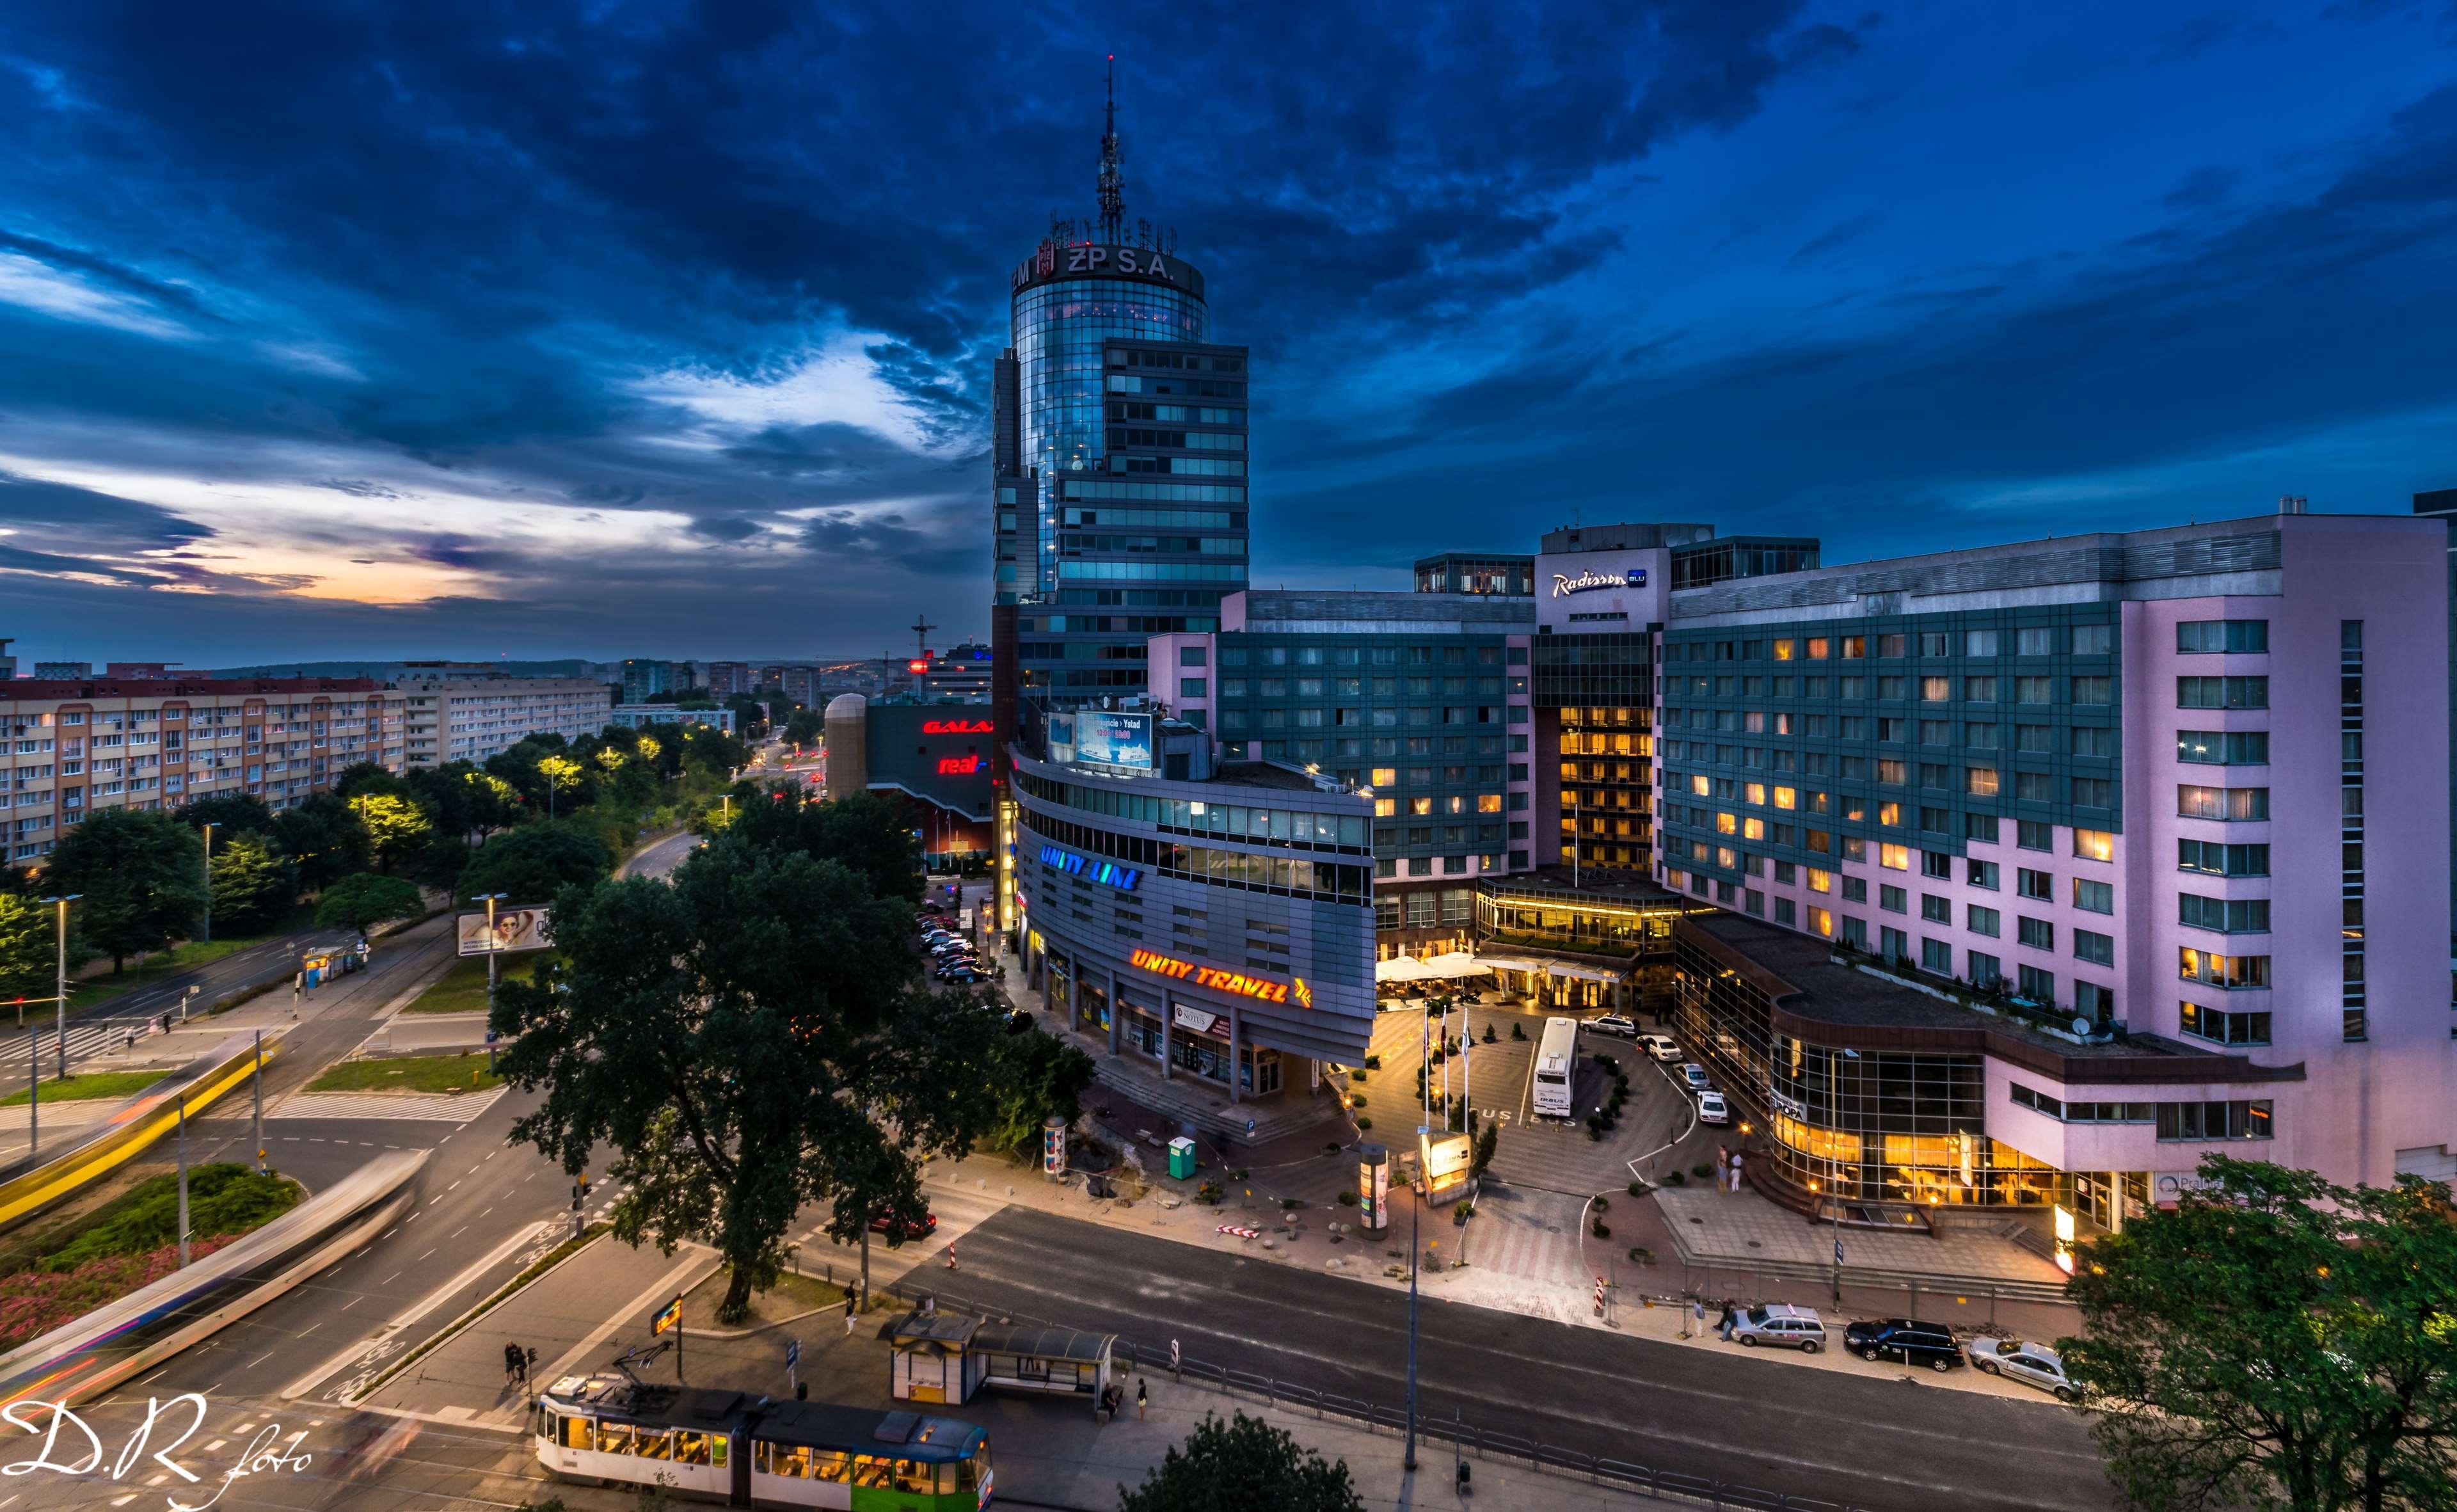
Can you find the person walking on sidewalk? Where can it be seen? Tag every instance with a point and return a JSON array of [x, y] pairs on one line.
[[1143, 1399], [511, 1365], [1729, 1321], [853, 1311]]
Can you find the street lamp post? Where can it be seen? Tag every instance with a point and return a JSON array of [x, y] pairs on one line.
[[1415, 1226], [63, 899], [493, 945], [205, 933]]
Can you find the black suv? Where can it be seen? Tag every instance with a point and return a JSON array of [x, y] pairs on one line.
[[1913, 1343]]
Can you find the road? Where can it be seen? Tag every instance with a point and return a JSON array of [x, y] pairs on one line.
[[660, 857], [106, 1025], [1870, 1442]]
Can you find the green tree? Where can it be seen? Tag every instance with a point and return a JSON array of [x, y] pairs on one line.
[[396, 825], [29, 946], [749, 1039], [804, 726], [532, 864], [2276, 1340], [562, 778], [866, 833], [143, 877], [494, 803], [254, 884], [365, 900], [325, 839], [1240, 1465], [228, 813], [369, 778], [1037, 1076]]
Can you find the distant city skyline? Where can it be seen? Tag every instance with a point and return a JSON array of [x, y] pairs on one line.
[[457, 343]]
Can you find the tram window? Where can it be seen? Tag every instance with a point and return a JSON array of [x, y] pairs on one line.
[[871, 1472], [968, 1474], [717, 1444], [946, 1476], [690, 1448], [616, 1438], [576, 1434], [652, 1444], [786, 1459], [913, 1475], [832, 1464]]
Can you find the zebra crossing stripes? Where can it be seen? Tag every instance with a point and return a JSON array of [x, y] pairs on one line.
[[456, 1107], [1521, 1244]]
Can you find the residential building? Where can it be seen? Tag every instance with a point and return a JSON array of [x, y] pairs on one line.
[[801, 685], [463, 714], [729, 679], [643, 677], [80, 747], [641, 715]]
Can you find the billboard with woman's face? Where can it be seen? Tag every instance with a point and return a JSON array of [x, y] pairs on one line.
[[513, 930]]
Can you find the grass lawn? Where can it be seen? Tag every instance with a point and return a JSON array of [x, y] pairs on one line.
[[414, 1073], [91, 1085], [463, 989], [791, 1296]]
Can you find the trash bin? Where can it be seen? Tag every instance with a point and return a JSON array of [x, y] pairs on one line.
[[1181, 1157]]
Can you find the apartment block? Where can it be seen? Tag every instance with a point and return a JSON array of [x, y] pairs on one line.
[[79, 747], [462, 714]]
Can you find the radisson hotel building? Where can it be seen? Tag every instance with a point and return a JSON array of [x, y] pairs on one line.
[[2013, 877]]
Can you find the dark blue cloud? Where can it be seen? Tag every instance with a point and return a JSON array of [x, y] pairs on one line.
[[645, 326]]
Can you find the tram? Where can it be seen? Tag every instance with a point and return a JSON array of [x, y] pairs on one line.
[[732, 1448]]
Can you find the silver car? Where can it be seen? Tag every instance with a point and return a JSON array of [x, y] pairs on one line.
[[1780, 1323], [2031, 1364]]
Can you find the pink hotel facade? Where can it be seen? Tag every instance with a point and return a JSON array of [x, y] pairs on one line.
[[2140, 843]]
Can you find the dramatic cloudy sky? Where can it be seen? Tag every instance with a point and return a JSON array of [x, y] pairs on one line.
[[626, 328]]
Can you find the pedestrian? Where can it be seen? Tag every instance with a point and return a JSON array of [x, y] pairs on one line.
[[1729, 1321], [1143, 1397], [1697, 1318], [853, 1307], [1736, 1170], [511, 1365], [1723, 1158]]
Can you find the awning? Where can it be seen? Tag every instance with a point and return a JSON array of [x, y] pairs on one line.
[[1399, 968], [1456, 964], [1508, 964], [1581, 973]]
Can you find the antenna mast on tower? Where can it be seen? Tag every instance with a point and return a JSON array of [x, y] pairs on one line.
[[922, 628], [1113, 182]]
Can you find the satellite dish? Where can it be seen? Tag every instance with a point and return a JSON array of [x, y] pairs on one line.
[[2083, 1027]]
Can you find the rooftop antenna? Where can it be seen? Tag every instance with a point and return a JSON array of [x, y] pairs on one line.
[[922, 628], [1113, 183]]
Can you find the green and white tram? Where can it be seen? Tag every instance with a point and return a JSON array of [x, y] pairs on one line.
[[751, 1451]]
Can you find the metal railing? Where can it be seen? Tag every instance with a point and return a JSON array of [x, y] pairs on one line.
[[1464, 1437]]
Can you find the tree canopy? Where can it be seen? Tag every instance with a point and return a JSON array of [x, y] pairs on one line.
[[396, 825], [29, 946], [749, 1038], [532, 864], [2276, 1340], [1241, 1464], [254, 884], [142, 875], [865, 833], [365, 900]]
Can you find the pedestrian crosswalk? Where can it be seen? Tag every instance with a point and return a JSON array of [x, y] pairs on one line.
[[1529, 1239], [457, 1108]]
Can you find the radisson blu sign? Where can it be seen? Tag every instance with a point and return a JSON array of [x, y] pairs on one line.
[[1565, 584]]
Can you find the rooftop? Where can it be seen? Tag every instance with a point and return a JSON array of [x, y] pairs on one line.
[[29, 690], [1807, 983], [1588, 883]]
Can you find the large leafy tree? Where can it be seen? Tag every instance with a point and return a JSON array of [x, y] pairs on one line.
[[29, 946], [1039, 1076], [532, 864], [564, 780], [228, 813], [865, 833], [254, 884], [803, 727], [366, 900], [2276, 1340], [325, 839], [142, 876], [751, 1038], [1240, 1465], [396, 825]]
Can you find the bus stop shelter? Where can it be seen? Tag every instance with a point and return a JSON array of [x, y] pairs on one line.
[[940, 1357]]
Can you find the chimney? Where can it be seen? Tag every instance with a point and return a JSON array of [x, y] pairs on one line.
[[2290, 504]]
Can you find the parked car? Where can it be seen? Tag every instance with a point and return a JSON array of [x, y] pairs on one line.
[[1713, 1109], [1661, 1046], [960, 975], [1614, 1024], [1781, 1323], [1693, 1076], [2031, 1364], [1906, 1339], [920, 1228]]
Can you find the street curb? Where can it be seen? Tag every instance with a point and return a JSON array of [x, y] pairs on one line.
[[487, 1304]]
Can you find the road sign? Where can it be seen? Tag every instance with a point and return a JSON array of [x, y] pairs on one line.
[[793, 1353], [1173, 1359], [669, 1318], [1838, 1251], [1250, 1127]]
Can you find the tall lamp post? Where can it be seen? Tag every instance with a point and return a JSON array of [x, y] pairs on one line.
[[205, 933], [1416, 1225], [490, 900], [63, 899]]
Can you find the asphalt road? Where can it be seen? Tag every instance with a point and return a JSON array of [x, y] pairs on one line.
[[105, 1028], [1870, 1442]]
